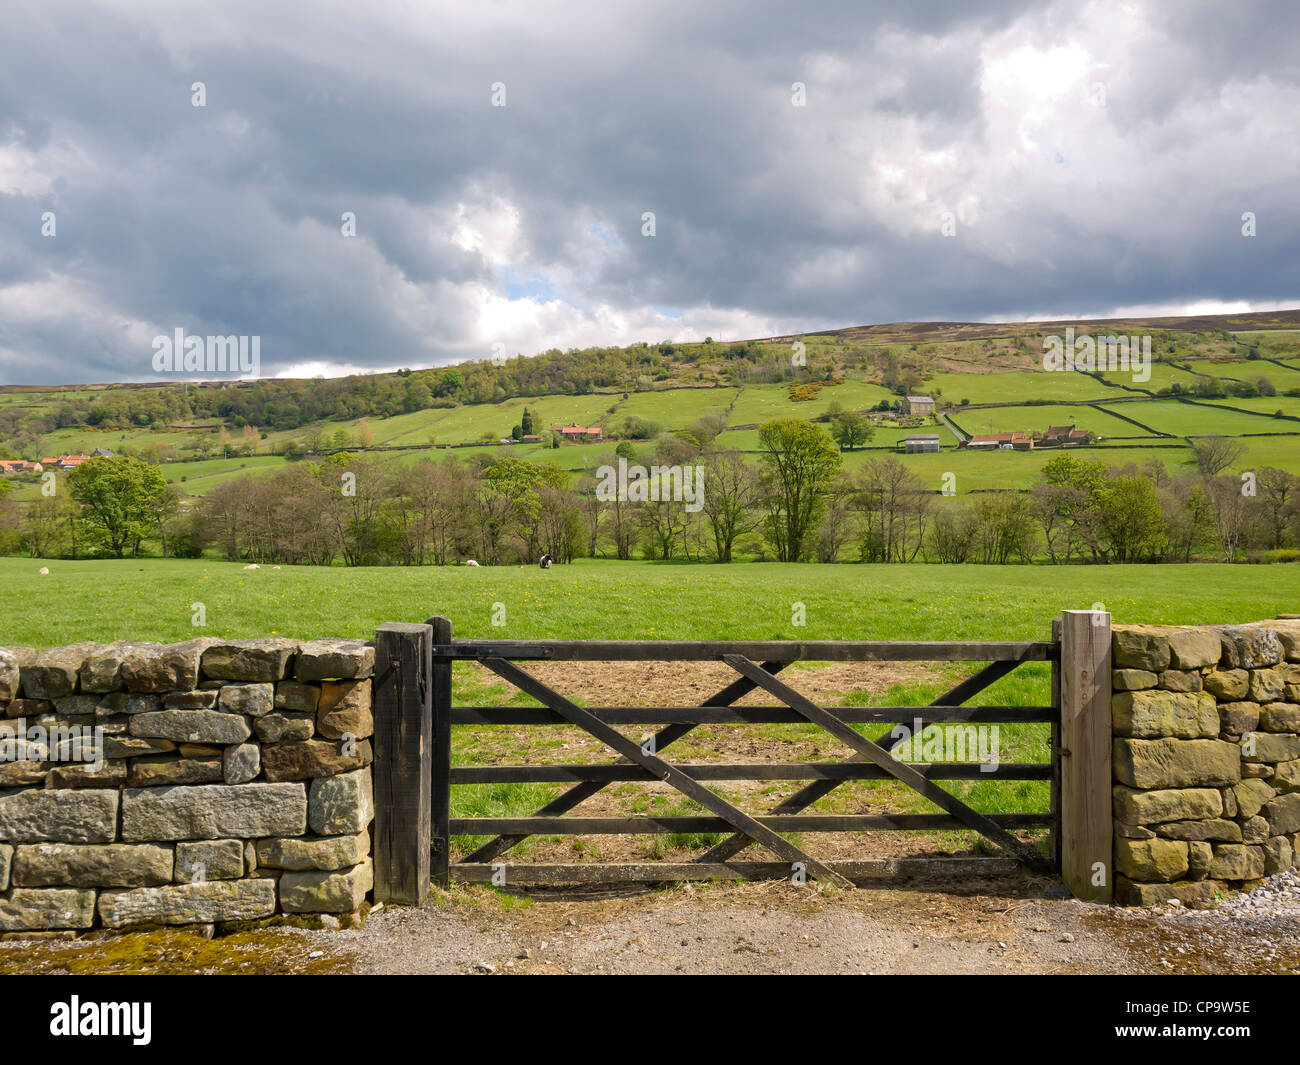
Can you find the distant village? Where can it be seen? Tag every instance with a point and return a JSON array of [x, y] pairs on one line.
[[1016, 440], [61, 462]]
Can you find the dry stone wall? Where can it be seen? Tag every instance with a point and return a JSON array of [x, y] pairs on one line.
[[1205, 758], [194, 783]]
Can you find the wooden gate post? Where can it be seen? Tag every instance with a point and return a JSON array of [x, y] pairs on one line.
[[402, 768], [1086, 826], [441, 755]]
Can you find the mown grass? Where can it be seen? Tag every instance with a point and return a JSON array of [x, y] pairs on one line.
[[598, 599]]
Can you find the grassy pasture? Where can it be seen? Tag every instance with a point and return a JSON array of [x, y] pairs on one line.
[[759, 403], [150, 599], [1162, 376], [1018, 386], [1250, 370], [1027, 419], [155, 600], [673, 408], [1199, 419]]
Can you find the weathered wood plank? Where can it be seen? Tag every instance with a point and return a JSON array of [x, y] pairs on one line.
[[614, 739], [1055, 748], [754, 715], [885, 871], [402, 774], [1086, 827], [616, 826], [551, 774], [440, 673], [783, 651]]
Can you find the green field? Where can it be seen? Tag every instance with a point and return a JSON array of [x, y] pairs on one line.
[[674, 408], [1018, 387], [1198, 419], [1097, 419], [759, 403], [1162, 376], [1249, 370], [156, 600], [151, 599]]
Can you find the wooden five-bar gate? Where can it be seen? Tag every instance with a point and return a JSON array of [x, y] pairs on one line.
[[415, 722]]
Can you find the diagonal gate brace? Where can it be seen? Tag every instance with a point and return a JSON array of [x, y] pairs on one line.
[[692, 789], [810, 793], [567, 800], [900, 770]]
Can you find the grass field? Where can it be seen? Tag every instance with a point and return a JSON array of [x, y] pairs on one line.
[[1162, 376], [156, 600], [150, 599], [1007, 419], [1018, 387], [1198, 419]]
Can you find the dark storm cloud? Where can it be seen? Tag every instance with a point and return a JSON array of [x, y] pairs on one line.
[[226, 219]]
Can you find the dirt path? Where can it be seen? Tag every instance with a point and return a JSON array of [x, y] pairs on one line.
[[780, 928], [1019, 927]]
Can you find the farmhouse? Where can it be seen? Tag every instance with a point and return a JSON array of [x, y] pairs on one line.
[[580, 433], [11, 466], [1065, 436], [1017, 441], [64, 462], [920, 405], [920, 443]]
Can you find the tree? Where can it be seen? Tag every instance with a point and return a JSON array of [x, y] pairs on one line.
[[526, 423], [121, 499], [731, 498], [1279, 493], [895, 507], [852, 429], [1214, 454], [1132, 526], [799, 460]]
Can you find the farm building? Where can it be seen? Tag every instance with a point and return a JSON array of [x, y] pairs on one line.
[[920, 405], [1065, 436], [1017, 441], [64, 462], [580, 433], [920, 443], [19, 466]]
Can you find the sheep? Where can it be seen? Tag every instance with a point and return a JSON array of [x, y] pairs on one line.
[[253, 566], [471, 562], [45, 571]]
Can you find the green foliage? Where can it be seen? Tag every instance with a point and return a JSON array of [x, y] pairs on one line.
[[122, 501], [851, 429], [799, 460]]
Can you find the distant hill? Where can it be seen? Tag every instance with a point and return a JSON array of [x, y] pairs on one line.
[[1234, 374]]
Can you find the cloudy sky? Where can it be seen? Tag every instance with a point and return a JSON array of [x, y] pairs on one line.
[[954, 160]]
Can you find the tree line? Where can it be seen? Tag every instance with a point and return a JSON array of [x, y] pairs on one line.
[[793, 501]]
